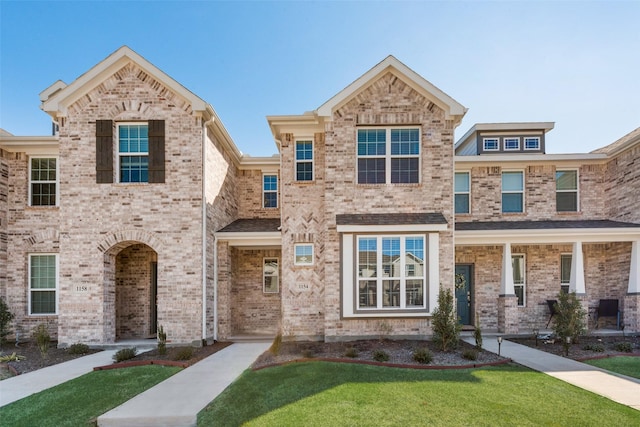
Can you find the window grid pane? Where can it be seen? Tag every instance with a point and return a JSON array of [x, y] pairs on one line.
[[532, 143], [371, 171], [133, 141], [134, 169], [43, 182], [404, 170], [42, 284], [270, 191]]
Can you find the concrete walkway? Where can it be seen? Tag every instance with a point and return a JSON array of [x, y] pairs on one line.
[[620, 389], [177, 401], [20, 386]]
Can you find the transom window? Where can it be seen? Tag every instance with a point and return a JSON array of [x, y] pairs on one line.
[[270, 191], [565, 272], [567, 191], [303, 254], [517, 261], [388, 156], [304, 160], [532, 143], [491, 144], [512, 192], [43, 284], [270, 274], [133, 148], [43, 181], [391, 272], [511, 144], [462, 192]]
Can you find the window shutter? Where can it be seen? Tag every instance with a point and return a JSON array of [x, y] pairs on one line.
[[104, 151], [156, 151]]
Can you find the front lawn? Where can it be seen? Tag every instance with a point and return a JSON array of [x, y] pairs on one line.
[[625, 365], [335, 394], [77, 402]]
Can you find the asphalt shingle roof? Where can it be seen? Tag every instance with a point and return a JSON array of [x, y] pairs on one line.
[[252, 225], [391, 219]]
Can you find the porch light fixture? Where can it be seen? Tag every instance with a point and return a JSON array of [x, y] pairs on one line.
[[499, 343], [536, 331]]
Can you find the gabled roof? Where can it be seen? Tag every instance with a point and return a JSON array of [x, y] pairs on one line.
[[452, 108], [470, 135], [621, 144]]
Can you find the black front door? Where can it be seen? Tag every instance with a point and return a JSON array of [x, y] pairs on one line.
[[463, 292]]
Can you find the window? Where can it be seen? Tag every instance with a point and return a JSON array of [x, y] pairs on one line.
[[462, 192], [44, 182], [532, 143], [517, 261], [304, 161], [491, 144], [133, 147], [270, 274], [388, 156], [270, 191], [303, 254], [512, 192], [511, 144], [565, 272], [391, 272], [43, 283], [567, 191]]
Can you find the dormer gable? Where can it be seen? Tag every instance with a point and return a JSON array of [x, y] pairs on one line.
[[504, 138]]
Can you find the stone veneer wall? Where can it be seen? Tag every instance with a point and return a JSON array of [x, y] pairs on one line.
[[97, 220], [4, 211], [622, 186], [249, 193]]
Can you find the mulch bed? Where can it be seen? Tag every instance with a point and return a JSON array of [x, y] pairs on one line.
[[34, 360], [584, 349]]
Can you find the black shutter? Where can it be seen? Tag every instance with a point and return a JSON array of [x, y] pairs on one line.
[[156, 151], [104, 151]]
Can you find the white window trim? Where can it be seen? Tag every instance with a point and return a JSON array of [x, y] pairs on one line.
[[504, 143], [388, 157], [296, 161], [29, 290], [270, 191], [524, 186], [264, 289], [532, 137], [295, 258], [57, 182], [484, 144], [577, 190], [564, 254], [462, 192], [524, 278], [119, 154]]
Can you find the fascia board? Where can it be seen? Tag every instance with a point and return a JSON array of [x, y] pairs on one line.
[[266, 164], [31, 144], [354, 228], [525, 159], [296, 124], [250, 239], [537, 236], [221, 133]]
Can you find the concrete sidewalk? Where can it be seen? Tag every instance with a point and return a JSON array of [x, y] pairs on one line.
[[20, 386], [177, 401], [620, 389]]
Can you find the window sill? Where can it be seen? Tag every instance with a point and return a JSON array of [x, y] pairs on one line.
[[37, 208], [569, 213]]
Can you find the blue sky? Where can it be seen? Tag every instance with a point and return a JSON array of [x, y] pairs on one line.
[[574, 63]]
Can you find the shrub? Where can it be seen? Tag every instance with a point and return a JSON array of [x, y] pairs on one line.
[[275, 346], [78, 348], [185, 353], [11, 358], [597, 348], [446, 325], [162, 341], [624, 347], [422, 355], [569, 320], [351, 352], [470, 354], [380, 356], [385, 329], [5, 319], [43, 339], [125, 354], [477, 333]]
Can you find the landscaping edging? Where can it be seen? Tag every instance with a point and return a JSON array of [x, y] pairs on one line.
[[385, 364], [607, 356], [142, 363]]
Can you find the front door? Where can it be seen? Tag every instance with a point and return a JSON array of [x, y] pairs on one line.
[[463, 292]]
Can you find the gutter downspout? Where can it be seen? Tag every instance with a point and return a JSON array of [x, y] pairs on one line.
[[204, 235]]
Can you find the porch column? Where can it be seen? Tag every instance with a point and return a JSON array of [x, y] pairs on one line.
[[507, 299], [631, 303], [576, 283]]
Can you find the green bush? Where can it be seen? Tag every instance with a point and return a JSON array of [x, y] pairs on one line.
[[446, 325], [624, 347], [185, 353], [78, 348], [477, 333], [275, 346], [351, 352], [597, 348], [11, 358], [43, 339], [5, 319], [470, 354], [569, 320], [125, 354], [380, 356], [162, 341], [422, 355]]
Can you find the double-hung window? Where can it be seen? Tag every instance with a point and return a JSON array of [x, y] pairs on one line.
[[388, 155], [462, 192], [513, 192], [43, 181], [270, 275], [391, 272], [43, 284], [567, 191], [133, 149], [304, 160], [270, 191], [565, 272], [518, 263]]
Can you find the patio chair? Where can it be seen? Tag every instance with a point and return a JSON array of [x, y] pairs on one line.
[[552, 309], [608, 308]]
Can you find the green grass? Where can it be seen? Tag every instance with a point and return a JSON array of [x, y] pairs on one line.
[[625, 365], [334, 394], [77, 402]]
